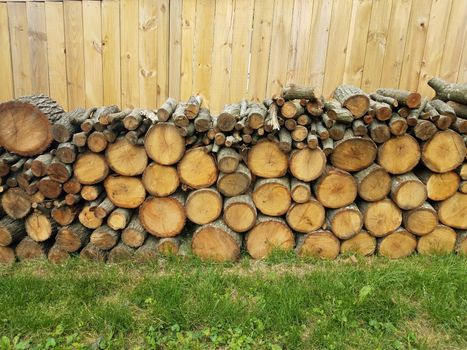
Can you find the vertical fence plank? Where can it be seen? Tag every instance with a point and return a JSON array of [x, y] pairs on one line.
[[6, 88], [243, 20], [395, 43], [188, 34], [320, 20], [56, 52], [38, 47], [148, 53], [337, 46], [163, 63], [74, 53], [356, 46], [92, 24], [462, 75], [204, 36], [457, 31], [175, 48], [260, 49], [280, 44], [376, 47], [111, 52], [415, 45], [18, 26], [129, 53], [221, 54], [434, 46]]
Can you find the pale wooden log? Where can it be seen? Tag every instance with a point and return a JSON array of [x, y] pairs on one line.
[[87, 218], [39, 226], [361, 244], [240, 213], [444, 152], [134, 234], [399, 154], [203, 206], [299, 134], [72, 186], [453, 211], [229, 116], [398, 244], [179, 118], [352, 98], [424, 130], [168, 246], [382, 111], [441, 240], [345, 222], [292, 109], [197, 169], [328, 146], [92, 253], [380, 218], [353, 153], [272, 196], [439, 186], [420, 221], [90, 168], [256, 115], [217, 242], [379, 131], [133, 120], [193, 106], [268, 235], [359, 128], [397, 125], [118, 218], [407, 191], [104, 208], [318, 244], [16, 203], [306, 217], [227, 160], [166, 110], [125, 192], [91, 192], [300, 191], [160, 180], [50, 188], [285, 140], [203, 121], [71, 238], [307, 164], [164, 144], [11, 231], [64, 128], [335, 188], [373, 183], [126, 159]]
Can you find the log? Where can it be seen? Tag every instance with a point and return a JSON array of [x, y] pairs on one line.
[[361, 244], [160, 180], [379, 131], [236, 183], [166, 110], [91, 192], [64, 215], [217, 242], [39, 164], [25, 124], [266, 159], [87, 218], [104, 208], [203, 121], [164, 144], [442, 240], [203, 206], [28, 249], [64, 128], [462, 171], [380, 98], [453, 211], [337, 131], [345, 222], [359, 128], [409, 99], [420, 221], [424, 130], [444, 152], [399, 155], [16, 203], [461, 244], [168, 246], [119, 218], [319, 244], [397, 125], [72, 186], [39, 226], [72, 237], [306, 217], [407, 191], [163, 217], [126, 159], [58, 255], [193, 106], [446, 91], [353, 153], [11, 231], [50, 188], [59, 171], [299, 134], [380, 218], [104, 237], [307, 164], [66, 153], [352, 98], [228, 160], [335, 188], [300, 191], [7, 255], [373, 183], [96, 142], [336, 112], [124, 191], [382, 111], [285, 140], [197, 169], [93, 253], [90, 168], [256, 115], [134, 234], [269, 234], [147, 251], [398, 244], [292, 109], [240, 213], [439, 186], [120, 253], [229, 116], [296, 92], [272, 196]]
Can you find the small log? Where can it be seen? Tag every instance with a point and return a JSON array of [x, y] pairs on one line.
[[315, 107], [66, 153], [307, 164], [240, 213], [93, 253], [409, 99], [179, 118], [292, 109], [64, 215], [64, 128], [91, 192], [319, 244], [300, 191], [160, 180], [379, 131], [228, 160], [272, 196], [335, 188], [424, 130], [72, 186], [399, 155], [407, 191], [352, 98], [11, 231], [120, 253], [420, 221], [359, 128], [236, 183], [71, 238], [380, 98], [7, 255], [268, 235], [58, 255], [398, 244], [197, 169], [397, 125], [147, 251], [119, 218], [373, 183], [461, 244], [337, 131], [361, 244], [444, 152], [203, 206], [446, 91], [256, 115], [59, 171], [299, 134], [104, 208], [134, 234], [166, 110], [229, 116], [16, 203], [87, 218], [193, 106], [336, 112], [306, 217], [296, 92], [164, 144], [203, 121], [133, 120], [285, 140], [104, 237], [345, 222], [380, 218], [168, 246], [39, 164], [328, 146]]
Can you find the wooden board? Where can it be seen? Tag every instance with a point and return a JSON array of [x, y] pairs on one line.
[[163, 17], [175, 48], [111, 52], [56, 55], [6, 88], [188, 34], [92, 26]]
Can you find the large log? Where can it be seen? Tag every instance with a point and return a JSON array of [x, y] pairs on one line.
[[380, 218], [453, 211], [398, 244], [16, 203], [268, 235], [420, 221], [90, 168], [399, 155], [307, 164], [345, 222], [362, 244], [439, 186], [197, 169], [163, 217], [353, 153], [319, 244], [160, 180], [26, 124], [272, 196], [373, 183], [203, 206], [124, 191], [444, 152], [126, 159], [217, 242], [335, 188], [266, 159], [39, 226], [306, 217], [29, 249], [442, 240], [164, 144]]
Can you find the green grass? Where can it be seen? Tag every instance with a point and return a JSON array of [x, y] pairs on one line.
[[282, 303]]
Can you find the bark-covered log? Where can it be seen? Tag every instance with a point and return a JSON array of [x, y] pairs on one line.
[[446, 91], [352, 98], [88, 219], [29, 249], [121, 252], [373, 183], [166, 110], [71, 238], [92, 253], [203, 206], [229, 116], [57, 254], [296, 92], [300, 191], [104, 237], [319, 244], [168, 246], [11, 231], [148, 250], [240, 213], [7, 255], [134, 234], [409, 99], [461, 243], [228, 160], [16, 203]]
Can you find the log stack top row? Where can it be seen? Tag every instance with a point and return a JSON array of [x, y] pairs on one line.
[[359, 173]]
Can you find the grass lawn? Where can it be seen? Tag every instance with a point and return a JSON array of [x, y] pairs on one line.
[[281, 303]]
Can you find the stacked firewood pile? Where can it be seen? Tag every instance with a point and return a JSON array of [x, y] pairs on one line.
[[380, 173]]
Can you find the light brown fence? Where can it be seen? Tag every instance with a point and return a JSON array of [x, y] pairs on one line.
[[133, 53]]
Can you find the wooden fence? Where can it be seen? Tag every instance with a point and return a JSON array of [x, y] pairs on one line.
[[136, 53]]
